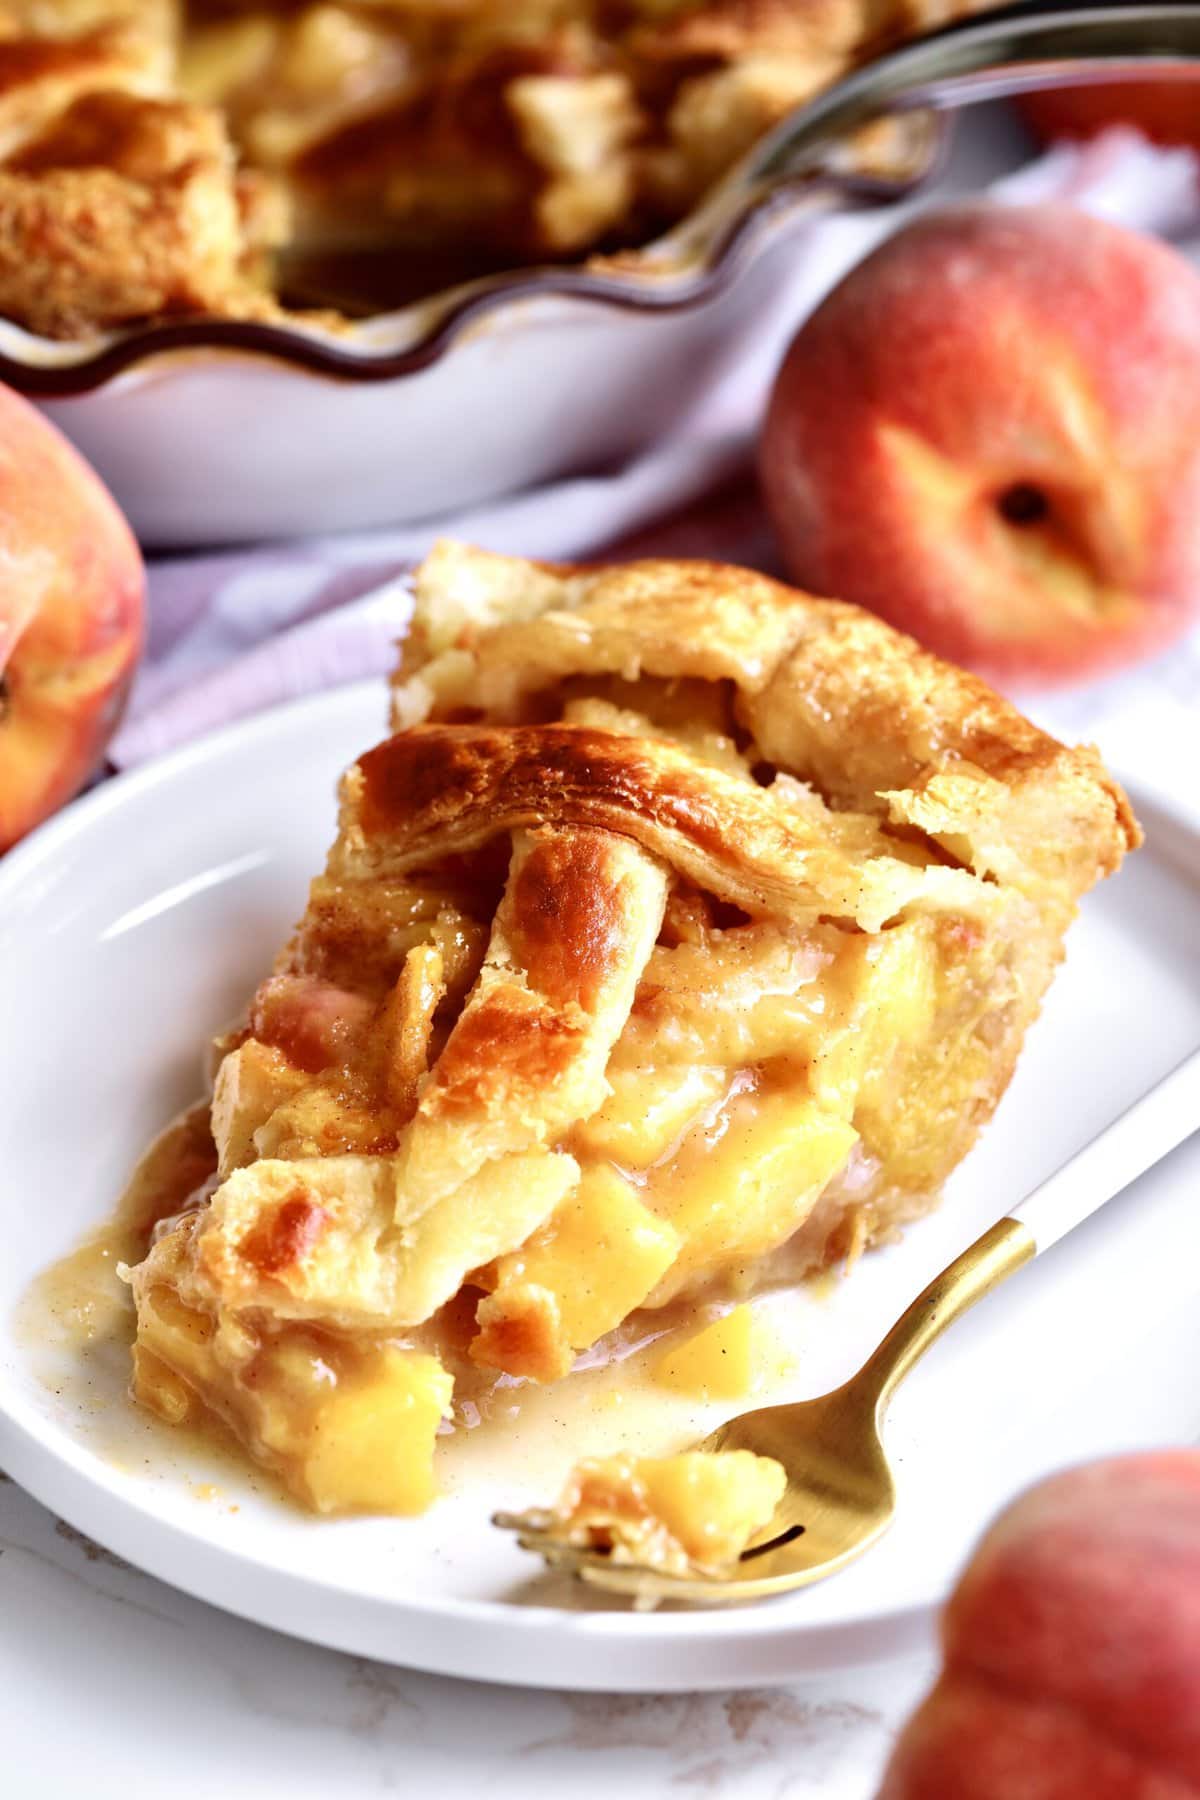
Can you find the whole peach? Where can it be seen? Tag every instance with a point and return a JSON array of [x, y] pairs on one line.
[[1072, 1648], [72, 603], [989, 433]]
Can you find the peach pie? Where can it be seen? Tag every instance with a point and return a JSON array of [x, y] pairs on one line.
[[678, 943], [155, 154]]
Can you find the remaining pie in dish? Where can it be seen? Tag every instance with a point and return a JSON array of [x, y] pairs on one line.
[[119, 199], [679, 942], [154, 153]]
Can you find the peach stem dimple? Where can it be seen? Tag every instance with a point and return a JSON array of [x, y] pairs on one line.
[[1023, 504]]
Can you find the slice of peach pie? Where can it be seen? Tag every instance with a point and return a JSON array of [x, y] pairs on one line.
[[678, 943]]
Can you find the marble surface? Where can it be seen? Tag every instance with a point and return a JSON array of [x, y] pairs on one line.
[[116, 1686]]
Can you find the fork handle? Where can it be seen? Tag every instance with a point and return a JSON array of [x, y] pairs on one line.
[[1147, 1131], [1003, 1249]]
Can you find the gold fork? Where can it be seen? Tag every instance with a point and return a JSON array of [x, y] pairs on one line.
[[840, 1495]]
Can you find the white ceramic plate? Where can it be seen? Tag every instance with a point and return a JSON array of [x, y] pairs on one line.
[[138, 922]]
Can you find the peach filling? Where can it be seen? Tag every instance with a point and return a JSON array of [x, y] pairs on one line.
[[348, 1426], [730, 1112]]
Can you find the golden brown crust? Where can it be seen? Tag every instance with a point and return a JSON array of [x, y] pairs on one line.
[[391, 1234], [828, 692], [119, 201], [940, 750], [520, 1331], [527, 1054], [320, 1239], [439, 789], [144, 138], [564, 920], [408, 1024], [156, 22], [41, 78], [726, 29], [283, 1237], [127, 207]]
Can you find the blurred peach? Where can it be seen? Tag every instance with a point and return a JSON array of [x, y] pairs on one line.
[[72, 606], [1071, 1647]]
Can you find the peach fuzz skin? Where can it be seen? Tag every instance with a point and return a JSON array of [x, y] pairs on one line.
[[989, 434], [1072, 1648], [72, 608]]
